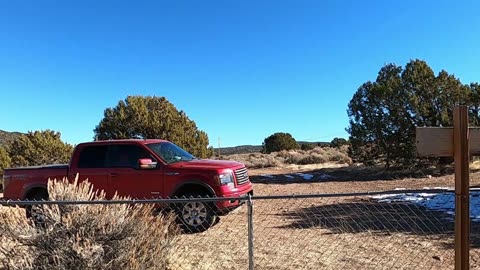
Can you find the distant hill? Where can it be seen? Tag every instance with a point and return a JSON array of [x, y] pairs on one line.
[[247, 149], [6, 137], [242, 149]]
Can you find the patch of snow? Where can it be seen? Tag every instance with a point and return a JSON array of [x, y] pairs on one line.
[[325, 176], [289, 176], [444, 202], [427, 194], [383, 196], [445, 188], [305, 176]]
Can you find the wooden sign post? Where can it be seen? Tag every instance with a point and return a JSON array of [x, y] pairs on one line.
[[447, 142]]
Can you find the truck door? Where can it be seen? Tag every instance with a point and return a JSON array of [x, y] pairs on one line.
[[127, 179], [91, 167]]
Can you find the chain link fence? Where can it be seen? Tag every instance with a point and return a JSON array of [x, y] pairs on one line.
[[400, 229]]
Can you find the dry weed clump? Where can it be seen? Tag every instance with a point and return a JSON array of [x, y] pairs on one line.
[[318, 155], [290, 156], [114, 236], [312, 159], [256, 160]]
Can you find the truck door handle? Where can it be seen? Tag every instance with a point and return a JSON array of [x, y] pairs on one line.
[[113, 175]]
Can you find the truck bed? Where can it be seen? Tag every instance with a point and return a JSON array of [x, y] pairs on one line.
[[19, 180], [55, 166]]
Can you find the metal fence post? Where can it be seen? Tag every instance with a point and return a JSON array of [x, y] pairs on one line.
[[250, 232]]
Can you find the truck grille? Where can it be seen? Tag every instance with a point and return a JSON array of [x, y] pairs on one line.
[[241, 175]]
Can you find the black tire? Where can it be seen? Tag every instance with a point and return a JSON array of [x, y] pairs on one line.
[[32, 210], [195, 216]]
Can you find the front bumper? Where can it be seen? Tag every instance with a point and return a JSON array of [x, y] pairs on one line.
[[241, 191]]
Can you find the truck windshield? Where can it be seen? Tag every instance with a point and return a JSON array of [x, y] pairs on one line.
[[170, 152]]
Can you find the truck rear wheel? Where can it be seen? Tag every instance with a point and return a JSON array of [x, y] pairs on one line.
[[195, 216], [35, 211]]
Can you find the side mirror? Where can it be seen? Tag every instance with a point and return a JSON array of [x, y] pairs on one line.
[[146, 163]]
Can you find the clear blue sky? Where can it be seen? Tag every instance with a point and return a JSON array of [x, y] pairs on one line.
[[241, 70]]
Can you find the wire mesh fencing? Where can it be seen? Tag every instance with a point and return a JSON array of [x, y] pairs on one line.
[[331, 231], [352, 233], [383, 230]]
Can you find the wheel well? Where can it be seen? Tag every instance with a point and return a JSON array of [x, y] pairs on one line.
[[192, 187], [38, 191]]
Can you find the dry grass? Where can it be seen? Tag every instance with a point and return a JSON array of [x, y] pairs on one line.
[[348, 240], [85, 236], [318, 155], [280, 242], [475, 165]]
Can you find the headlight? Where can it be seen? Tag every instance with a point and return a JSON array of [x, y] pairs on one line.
[[225, 179]]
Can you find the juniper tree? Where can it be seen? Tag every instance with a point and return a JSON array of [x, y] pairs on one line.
[[147, 117]]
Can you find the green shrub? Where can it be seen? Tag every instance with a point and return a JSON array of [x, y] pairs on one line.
[[307, 146], [279, 141], [338, 142]]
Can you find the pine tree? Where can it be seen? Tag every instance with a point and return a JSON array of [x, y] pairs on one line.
[[39, 148], [146, 117], [384, 114], [5, 160], [279, 141]]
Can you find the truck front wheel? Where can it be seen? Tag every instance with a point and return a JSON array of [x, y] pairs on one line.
[[195, 216]]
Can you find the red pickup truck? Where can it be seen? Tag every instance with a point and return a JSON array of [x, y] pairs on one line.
[[142, 169]]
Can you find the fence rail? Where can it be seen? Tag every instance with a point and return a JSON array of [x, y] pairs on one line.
[[396, 229], [242, 198]]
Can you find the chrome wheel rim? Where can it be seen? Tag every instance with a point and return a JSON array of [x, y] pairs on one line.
[[36, 213], [194, 213]]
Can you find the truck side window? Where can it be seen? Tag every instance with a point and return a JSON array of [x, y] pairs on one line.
[[92, 157], [125, 156]]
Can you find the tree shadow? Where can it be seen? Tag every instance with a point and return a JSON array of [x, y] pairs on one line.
[[368, 215], [346, 174]]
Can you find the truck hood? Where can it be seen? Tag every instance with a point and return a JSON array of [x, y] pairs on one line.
[[208, 164]]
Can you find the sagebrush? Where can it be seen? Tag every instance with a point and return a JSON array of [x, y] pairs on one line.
[[317, 155], [96, 236]]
